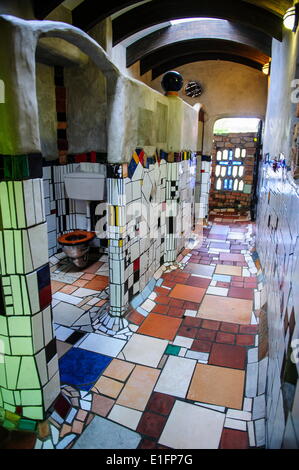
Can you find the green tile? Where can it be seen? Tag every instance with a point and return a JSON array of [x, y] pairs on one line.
[[9, 425], [6, 343], [12, 371], [3, 326], [21, 346], [7, 290], [25, 297], [17, 396], [12, 205], [247, 188], [2, 256], [9, 251], [8, 396], [28, 266], [19, 251], [5, 220], [13, 417], [172, 350], [34, 412], [28, 377], [17, 294], [9, 407], [31, 397], [19, 167], [2, 414], [5, 281], [27, 425], [20, 205], [19, 326]]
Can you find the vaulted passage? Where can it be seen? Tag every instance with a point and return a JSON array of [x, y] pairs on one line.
[[149, 230]]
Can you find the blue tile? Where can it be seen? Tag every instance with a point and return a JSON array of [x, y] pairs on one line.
[[221, 278], [138, 300], [142, 311], [82, 368], [159, 282]]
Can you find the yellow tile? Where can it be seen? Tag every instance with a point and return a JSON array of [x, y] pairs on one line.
[[228, 309], [139, 387], [110, 388], [119, 370], [229, 270], [218, 386]]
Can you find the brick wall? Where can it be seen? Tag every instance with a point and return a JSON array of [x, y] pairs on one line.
[[234, 199]]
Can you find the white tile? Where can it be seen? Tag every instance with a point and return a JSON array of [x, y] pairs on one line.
[[260, 432], [198, 356], [190, 313], [125, 416], [102, 344], [235, 424], [251, 380], [148, 305], [237, 414], [259, 407], [82, 292], [252, 355], [221, 409], [66, 314], [182, 341], [70, 299], [144, 350], [247, 404], [192, 427], [251, 434], [176, 376], [217, 291]]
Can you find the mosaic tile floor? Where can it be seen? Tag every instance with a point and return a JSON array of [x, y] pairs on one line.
[[182, 371]]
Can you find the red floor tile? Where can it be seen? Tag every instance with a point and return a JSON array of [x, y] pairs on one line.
[[245, 340], [151, 424], [211, 324], [206, 335], [233, 439], [198, 282], [191, 306], [136, 318], [240, 293], [187, 332], [188, 293], [176, 303], [191, 321], [201, 346], [229, 327], [228, 356], [160, 326], [162, 299], [160, 403], [98, 283], [161, 309], [249, 329], [176, 312], [226, 338]]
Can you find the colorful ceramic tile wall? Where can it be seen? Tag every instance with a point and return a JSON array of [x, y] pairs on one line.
[[151, 213], [278, 248], [245, 142], [64, 214], [204, 187], [29, 377]]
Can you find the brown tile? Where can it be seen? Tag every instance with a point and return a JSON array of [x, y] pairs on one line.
[[108, 387], [62, 348], [188, 293], [231, 257], [226, 309], [135, 318], [249, 329], [81, 415], [159, 308], [228, 270], [240, 293], [206, 335], [228, 356], [98, 283], [66, 429], [160, 403], [198, 282], [187, 332], [160, 326], [77, 427], [101, 405], [56, 286], [139, 388], [151, 424], [234, 439], [87, 277], [176, 303], [192, 321], [201, 346], [162, 299], [80, 283], [245, 340], [227, 338], [229, 327], [69, 289], [218, 386], [119, 370], [210, 324]]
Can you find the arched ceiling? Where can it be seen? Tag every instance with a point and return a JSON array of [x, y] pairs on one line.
[[204, 29], [216, 47]]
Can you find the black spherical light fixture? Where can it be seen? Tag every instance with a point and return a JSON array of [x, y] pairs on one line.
[[172, 82]]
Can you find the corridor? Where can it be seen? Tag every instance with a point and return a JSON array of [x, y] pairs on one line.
[[189, 362]]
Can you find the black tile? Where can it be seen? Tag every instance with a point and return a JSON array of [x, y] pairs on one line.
[[50, 350], [75, 337]]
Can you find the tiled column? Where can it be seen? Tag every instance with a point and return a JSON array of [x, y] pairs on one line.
[[29, 377]]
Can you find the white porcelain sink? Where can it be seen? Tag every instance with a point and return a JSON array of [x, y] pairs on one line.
[[85, 186]]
